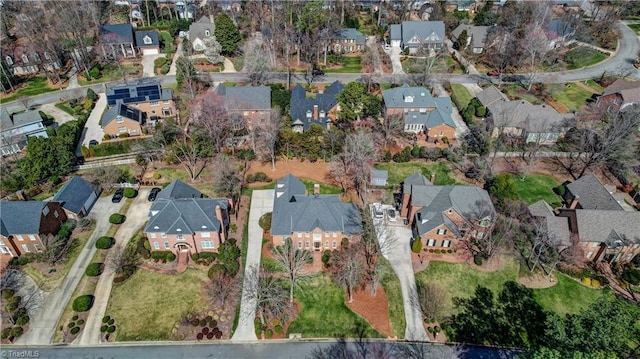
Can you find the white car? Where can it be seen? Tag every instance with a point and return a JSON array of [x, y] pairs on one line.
[[377, 211], [391, 215]]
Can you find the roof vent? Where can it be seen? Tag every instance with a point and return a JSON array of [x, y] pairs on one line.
[[179, 230]]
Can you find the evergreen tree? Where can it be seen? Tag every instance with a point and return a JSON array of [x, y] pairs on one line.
[[227, 34]]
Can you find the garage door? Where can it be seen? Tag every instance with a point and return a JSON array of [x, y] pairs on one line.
[[150, 51]]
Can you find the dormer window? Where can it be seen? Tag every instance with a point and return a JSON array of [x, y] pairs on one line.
[[207, 33], [147, 40], [322, 114], [25, 59], [9, 60], [47, 56], [408, 99], [485, 223], [308, 113], [36, 57], [119, 119]]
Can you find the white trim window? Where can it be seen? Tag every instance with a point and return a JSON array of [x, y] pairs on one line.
[[19, 236], [156, 245], [166, 245], [431, 243], [152, 235], [335, 244], [4, 249], [326, 244], [299, 244], [163, 235], [205, 234], [442, 231], [37, 248], [25, 248], [180, 237], [32, 237], [446, 243], [207, 244], [306, 244]]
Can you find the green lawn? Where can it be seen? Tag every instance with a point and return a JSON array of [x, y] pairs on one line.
[[114, 72], [461, 280], [167, 42], [568, 296], [348, 64], [594, 85], [399, 171], [34, 86], [414, 65], [238, 62], [324, 313], [535, 187], [147, 305], [324, 188], [516, 92], [391, 285], [570, 95], [635, 27], [583, 56], [64, 106], [461, 94], [168, 174]]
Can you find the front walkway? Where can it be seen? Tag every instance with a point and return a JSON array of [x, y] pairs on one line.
[[261, 203]]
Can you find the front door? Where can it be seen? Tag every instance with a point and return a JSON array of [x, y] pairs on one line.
[[317, 241], [183, 247]]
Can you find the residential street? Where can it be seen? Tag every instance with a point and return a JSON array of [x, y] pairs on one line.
[[43, 325], [261, 203], [136, 218]]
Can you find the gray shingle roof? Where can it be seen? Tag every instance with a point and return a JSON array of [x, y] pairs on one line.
[[557, 227], [598, 225], [295, 211], [352, 34], [123, 110], [26, 117], [300, 104], [406, 96], [185, 215], [74, 194], [123, 33], [478, 34], [416, 179], [593, 194], [490, 95], [178, 189], [153, 35], [522, 114], [197, 29], [430, 119], [246, 97], [20, 217], [425, 31]]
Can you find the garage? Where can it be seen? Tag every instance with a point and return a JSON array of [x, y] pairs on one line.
[[148, 42], [151, 51]]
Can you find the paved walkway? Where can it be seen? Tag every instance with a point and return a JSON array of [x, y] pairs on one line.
[[42, 326], [228, 66], [261, 203], [136, 217], [179, 53], [92, 129], [60, 116]]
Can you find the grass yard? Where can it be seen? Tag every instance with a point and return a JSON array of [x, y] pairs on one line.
[[64, 106], [112, 72], [324, 188], [324, 313], [347, 64], [579, 57], [414, 65], [167, 43], [570, 95], [391, 285], [32, 87], [148, 304], [238, 62], [535, 187], [461, 94], [399, 171], [461, 280], [635, 27], [568, 296], [168, 174], [516, 91], [594, 85]]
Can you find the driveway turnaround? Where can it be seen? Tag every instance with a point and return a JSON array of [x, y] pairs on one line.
[[394, 242], [42, 326], [261, 203], [136, 218], [148, 64], [60, 116]]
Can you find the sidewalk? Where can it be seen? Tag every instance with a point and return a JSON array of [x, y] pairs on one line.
[[261, 203]]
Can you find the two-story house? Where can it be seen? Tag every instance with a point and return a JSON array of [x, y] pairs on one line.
[[250, 104], [77, 197], [117, 40], [200, 32], [417, 35], [17, 129], [148, 42], [350, 41], [121, 119], [313, 221], [183, 222], [146, 95], [323, 109], [23, 59], [444, 216], [476, 36], [620, 94], [23, 222], [421, 112]]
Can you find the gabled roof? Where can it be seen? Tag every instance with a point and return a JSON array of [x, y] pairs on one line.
[[429, 119], [74, 194], [557, 227], [142, 90], [295, 211], [628, 90], [121, 33], [559, 28], [608, 226], [185, 215], [477, 34], [381, 174], [491, 95], [406, 96], [416, 179], [21, 217], [123, 110], [300, 104], [352, 34], [151, 35], [425, 31], [177, 190], [593, 194], [197, 29], [24, 118], [522, 114], [246, 97]]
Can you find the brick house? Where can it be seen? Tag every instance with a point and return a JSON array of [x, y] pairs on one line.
[[251, 105], [23, 222], [121, 119], [181, 221], [77, 197], [145, 95], [421, 112], [323, 109], [444, 216], [350, 41], [620, 94], [313, 221]]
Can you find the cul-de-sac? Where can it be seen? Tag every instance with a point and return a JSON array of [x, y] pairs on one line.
[[320, 179]]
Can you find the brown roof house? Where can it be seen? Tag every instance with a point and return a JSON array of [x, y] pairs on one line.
[[620, 94], [249, 105], [183, 222], [445, 216], [23, 222], [145, 95], [121, 120]]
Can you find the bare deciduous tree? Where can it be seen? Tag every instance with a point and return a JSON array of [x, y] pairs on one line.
[[54, 248], [293, 260], [347, 269], [192, 154], [227, 177], [391, 129], [211, 118], [223, 287], [272, 299], [123, 261], [433, 301], [359, 154], [267, 133]]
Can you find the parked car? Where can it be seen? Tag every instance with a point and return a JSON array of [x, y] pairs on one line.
[[317, 72], [117, 197], [391, 214], [377, 211], [153, 194], [93, 143], [493, 73]]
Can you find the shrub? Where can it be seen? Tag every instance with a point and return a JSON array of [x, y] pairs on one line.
[[111, 329], [195, 256], [71, 324], [165, 69], [24, 259], [16, 331], [80, 322], [261, 177], [199, 336], [124, 135], [481, 111], [415, 151], [210, 335], [194, 322], [477, 259], [103, 329], [95, 72], [94, 269], [22, 320], [170, 257], [205, 330], [326, 257], [586, 281], [74, 330], [429, 329], [404, 156], [269, 333], [278, 329], [83, 303], [449, 251], [7, 293], [111, 321], [208, 257], [416, 246], [84, 223], [91, 95], [157, 176], [116, 218], [218, 334], [632, 276], [595, 283], [265, 221], [213, 323], [203, 322], [437, 251], [130, 192], [105, 242], [13, 303], [6, 333]]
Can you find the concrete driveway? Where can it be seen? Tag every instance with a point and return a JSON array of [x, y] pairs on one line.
[[261, 203], [42, 326], [92, 129], [60, 116], [179, 53], [136, 219], [461, 126], [148, 62], [394, 239], [394, 53]]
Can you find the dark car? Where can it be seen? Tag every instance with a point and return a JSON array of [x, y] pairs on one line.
[[493, 73], [93, 143], [317, 72], [153, 194], [117, 197], [510, 79]]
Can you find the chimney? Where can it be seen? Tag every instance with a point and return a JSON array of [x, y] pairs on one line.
[[21, 196], [574, 203], [432, 179], [223, 232], [316, 189], [211, 18], [315, 112]]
